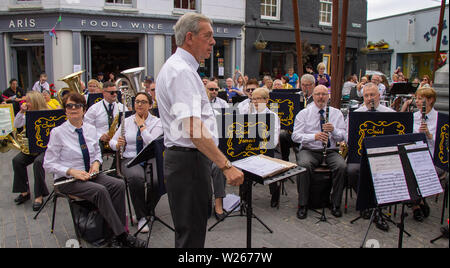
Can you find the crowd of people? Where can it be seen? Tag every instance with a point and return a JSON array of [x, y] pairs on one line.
[[194, 167]]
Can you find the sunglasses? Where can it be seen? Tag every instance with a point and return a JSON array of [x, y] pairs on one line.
[[71, 106], [250, 89], [213, 89], [113, 92]]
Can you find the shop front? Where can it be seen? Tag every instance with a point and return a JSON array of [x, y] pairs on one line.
[[99, 43]]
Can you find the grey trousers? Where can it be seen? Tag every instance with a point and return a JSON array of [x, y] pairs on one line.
[[219, 181], [188, 184], [135, 177], [353, 175], [107, 194], [20, 183], [312, 159]]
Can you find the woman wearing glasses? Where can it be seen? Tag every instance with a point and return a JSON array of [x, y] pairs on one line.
[[141, 129], [73, 152], [102, 114]]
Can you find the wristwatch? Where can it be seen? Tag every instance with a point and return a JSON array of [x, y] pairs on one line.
[[228, 165]]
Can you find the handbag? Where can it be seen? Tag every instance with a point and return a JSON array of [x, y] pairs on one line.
[[90, 222]]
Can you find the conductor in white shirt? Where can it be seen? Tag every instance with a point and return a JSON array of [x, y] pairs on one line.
[[311, 134], [190, 132]]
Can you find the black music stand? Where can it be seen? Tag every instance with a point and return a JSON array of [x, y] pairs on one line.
[[249, 179], [148, 155], [366, 191], [402, 88]]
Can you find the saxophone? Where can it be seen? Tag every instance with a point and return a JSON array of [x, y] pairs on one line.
[[112, 131]]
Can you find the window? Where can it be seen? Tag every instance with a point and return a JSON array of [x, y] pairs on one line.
[[326, 6], [185, 4], [270, 9], [28, 2], [120, 2]]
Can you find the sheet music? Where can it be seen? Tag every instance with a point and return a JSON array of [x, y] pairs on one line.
[[424, 170], [388, 179], [6, 126], [258, 165]]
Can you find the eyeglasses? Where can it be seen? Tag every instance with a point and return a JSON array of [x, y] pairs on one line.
[[71, 106], [112, 92], [213, 89], [152, 89], [308, 85], [141, 102]]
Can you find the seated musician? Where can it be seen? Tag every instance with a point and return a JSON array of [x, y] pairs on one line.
[[313, 135], [73, 152], [426, 125], [371, 104], [101, 115], [140, 129], [34, 101], [244, 106]]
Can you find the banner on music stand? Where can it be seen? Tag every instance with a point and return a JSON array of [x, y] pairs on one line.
[[441, 144], [372, 124], [38, 126], [287, 105], [246, 135]]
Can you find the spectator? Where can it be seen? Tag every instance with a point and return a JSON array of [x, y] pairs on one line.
[[42, 84], [205, 80], [293, 77], [52, 104], [322, 78], [232, 91], [14, 94], [361, 85], [348, 85], [94, 86], [309, 69], [277, 84], [239, 80], [112, 77], [101, 77], [426, 81], [268, 84], [377, 80]]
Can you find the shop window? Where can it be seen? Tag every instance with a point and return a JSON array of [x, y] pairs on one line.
[[120, 2], [27, 1], [270, 9], [325, 13], [185, 4]]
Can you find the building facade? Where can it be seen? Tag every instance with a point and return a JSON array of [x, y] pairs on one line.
[[412, 41], [60, 37], [272, 21]]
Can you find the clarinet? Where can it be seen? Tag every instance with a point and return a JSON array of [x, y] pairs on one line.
[[326, 119], [92, 175], [372, 103], [424, 111]]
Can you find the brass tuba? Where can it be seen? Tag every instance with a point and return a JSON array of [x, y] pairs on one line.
[[15, 141], [74, 82]]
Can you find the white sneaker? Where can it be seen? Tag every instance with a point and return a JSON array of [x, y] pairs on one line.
[[141, 223]]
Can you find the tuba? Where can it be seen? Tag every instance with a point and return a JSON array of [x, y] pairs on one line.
[[74, 82]]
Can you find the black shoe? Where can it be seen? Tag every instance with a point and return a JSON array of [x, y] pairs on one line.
[[133, 242], [366, 214], [418, 215], [425, 209], [22, 199], [381, 223], [336, 211], [37, 206], [302, 212], [114, 243], [219, 217]]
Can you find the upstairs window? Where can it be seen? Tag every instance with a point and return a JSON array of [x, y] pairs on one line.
[[185, 4], [127, 3], [270, 9], [326, 7]]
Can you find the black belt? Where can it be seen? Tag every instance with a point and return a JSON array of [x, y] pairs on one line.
[[182, 149]]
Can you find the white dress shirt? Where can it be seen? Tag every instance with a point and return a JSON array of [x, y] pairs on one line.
[[244, 106], [277, 124], [181, 95], [64, 151], [97, 116], [307, 125], [38, 86], [19, 120], [218, 103], [431, 124], [153, 129]]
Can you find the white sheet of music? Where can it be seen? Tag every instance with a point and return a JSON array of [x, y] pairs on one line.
[[388, 178], [424, 170], [6, 125], [258, 165]]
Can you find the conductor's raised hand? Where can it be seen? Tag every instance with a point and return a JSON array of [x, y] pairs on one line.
[[234, 176]]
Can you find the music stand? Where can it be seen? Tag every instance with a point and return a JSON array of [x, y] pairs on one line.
[[148, 155], [402, 88]]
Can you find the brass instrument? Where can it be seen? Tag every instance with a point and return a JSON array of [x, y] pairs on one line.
[[15, 141], [132, 78], [112, 131], [74, 82]]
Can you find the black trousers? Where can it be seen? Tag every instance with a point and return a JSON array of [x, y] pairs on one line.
[[107, 194], [188, 184], [20, 183]]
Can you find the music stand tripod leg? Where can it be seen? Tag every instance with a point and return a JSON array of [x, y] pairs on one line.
[[368, 228]]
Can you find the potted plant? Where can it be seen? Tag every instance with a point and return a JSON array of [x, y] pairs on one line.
[[370, 45]]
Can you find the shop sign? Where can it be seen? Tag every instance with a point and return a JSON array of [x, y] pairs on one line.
[[434, 31]]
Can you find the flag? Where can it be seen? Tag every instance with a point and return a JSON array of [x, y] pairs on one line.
[[60, 18]]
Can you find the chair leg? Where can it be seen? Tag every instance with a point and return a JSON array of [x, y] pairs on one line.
[[55, 198], [77, 233]]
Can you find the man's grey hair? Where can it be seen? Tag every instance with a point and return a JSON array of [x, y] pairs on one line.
[[308, 78], [189, 22], [370, 85]]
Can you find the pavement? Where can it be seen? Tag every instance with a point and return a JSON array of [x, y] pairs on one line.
[[18, 229]]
